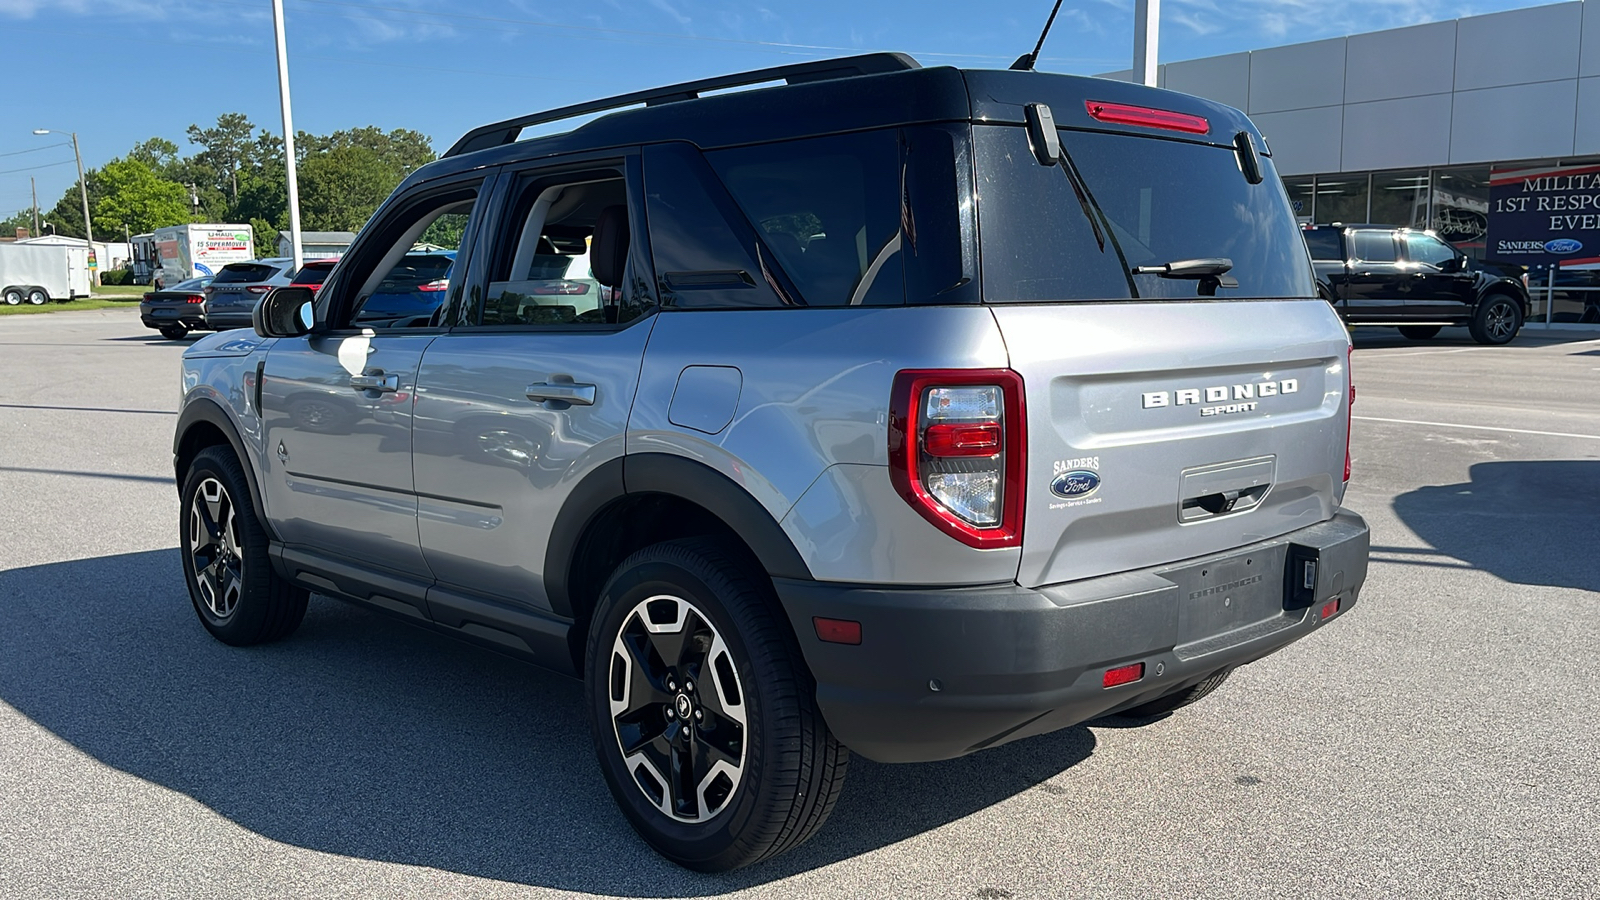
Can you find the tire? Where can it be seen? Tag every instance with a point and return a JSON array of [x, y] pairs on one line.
[[173, 332], [772, 771], [1497, 320], [236, 593], [12, 296], [1419, 332], [38, 296], [1178, 699]]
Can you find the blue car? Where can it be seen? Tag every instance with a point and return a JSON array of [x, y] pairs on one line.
[[413, 289]]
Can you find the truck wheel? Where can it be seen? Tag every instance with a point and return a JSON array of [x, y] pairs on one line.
[[173, 332], [236, 593], [703, 713], [1191, 694], [13, 296], [1497, 321], [1419, 332], [37, 296]]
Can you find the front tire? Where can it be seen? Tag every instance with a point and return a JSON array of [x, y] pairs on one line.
[[1497, 321], [703, 713], [174, 332], [1419, 332], [236, 593]]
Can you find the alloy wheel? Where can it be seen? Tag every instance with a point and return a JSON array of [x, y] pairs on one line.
[[215, 549], [1500, 320], [677, 709]]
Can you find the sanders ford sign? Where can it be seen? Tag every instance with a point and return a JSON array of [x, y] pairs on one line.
[[1544, 215]]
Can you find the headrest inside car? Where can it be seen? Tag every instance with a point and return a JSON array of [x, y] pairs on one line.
[[608, 255]]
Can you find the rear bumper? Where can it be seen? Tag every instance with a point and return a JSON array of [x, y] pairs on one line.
[[1010, 662], [224, 320]]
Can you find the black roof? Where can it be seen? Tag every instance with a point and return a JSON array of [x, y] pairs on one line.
[[835, 96]]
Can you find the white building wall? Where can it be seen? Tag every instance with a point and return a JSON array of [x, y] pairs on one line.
[[1493, 88]]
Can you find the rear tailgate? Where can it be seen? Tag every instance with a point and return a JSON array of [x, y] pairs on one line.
[[1174, 410]]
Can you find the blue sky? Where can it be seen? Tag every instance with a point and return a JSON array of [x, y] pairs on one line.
[[121, 71]]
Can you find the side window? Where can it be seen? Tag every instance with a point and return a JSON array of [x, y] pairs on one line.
[[563, 256], [830, 210], [1323, 244], [402, 279], [706, 256], [1424, 248], [1374, 246]]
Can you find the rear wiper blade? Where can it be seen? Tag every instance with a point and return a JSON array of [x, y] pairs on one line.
[[1211, 272]]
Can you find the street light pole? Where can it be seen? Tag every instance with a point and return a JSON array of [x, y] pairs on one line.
[[1146, 38], [288, 135], [83, 188]]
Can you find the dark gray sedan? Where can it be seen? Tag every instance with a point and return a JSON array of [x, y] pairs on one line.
[[177, 310]]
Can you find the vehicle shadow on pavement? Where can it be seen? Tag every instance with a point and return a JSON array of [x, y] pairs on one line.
[[1529, 522], [371, 738]]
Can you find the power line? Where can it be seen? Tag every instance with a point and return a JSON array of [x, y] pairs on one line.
[[64, 162], [37, 149]]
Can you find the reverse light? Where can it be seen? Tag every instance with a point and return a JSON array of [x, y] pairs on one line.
[[1123, 675], [1122, 114], [958, 450]]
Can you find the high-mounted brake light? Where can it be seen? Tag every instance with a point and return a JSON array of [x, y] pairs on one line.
[[1122, 114], [958, 450]]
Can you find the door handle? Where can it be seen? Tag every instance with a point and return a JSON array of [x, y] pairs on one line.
[[562, 392], [376, 382]]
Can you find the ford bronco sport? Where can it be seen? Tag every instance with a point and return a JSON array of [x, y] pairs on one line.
[[905, 410]]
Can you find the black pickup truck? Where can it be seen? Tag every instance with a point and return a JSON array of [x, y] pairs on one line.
[[1379, 275]]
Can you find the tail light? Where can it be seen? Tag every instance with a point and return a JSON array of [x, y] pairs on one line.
[[432, 286], [1122, 114], [259, 288], [1349, 408], [958, 449], [194, 298]]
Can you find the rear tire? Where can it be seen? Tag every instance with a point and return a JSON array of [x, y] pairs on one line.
[[174, 332], [1419, 332], [1497, 321], [761, 771], [13, 296], [1179, 699], [37, 296], [236, 593]]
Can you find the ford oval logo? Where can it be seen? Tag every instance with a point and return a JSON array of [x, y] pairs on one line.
[[1562, 246], [1076, 483]]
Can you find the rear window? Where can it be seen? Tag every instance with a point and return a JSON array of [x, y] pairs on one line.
[[1165, 201], [239, 273], [1323, 243], [313, 273]]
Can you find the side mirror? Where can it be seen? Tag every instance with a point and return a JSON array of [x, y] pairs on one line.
[[1454, 264], [287, 312]]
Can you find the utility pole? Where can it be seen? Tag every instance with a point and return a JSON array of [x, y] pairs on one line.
[[83, 189], [288, 135], [1146, 37], [32, 186]]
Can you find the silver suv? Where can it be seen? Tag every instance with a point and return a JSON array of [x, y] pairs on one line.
[[905, 410]]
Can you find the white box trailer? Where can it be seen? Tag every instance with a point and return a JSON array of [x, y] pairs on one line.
[[38, 274], [190, 251]]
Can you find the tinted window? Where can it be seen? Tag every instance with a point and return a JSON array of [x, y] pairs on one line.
[[1324, 244], [829, 209], [706, 255], [1425, 248], [313, 273], [240, 273], [1162, 201], [1373, 246]]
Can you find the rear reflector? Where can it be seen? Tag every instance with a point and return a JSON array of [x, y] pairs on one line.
[[962, 440], [1330, 608], [1122, 114], [1123, 675], [837, 631]]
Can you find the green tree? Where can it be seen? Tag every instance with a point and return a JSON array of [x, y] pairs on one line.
[[402, 149], [340, 188], [157, 153], [20, 219], [133, 197], [66, 216], [228, 145]]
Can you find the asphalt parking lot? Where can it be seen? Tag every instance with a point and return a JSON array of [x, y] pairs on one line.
[[1437, 741]]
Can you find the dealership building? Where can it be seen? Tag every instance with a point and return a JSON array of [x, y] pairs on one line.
[[1405, 126]]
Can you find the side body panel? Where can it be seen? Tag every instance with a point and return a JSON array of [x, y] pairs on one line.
[[809, 436]]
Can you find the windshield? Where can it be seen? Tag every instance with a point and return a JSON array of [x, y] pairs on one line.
[[1162, 201], [242, 273]]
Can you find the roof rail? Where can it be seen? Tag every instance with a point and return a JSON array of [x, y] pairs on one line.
[[500, 133]]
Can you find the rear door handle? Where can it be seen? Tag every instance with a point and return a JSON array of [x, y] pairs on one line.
[[562, 392], [376, 382]]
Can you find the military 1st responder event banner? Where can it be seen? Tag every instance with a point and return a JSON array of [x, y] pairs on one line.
[[1543, 216]]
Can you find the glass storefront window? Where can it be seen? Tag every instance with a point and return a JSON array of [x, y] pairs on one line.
[[1461, 207], [1302, 197], [1342, 198], [1400, 199]]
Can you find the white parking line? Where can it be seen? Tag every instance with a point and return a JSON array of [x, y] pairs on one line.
[[1587, 437], [1425, 352]]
